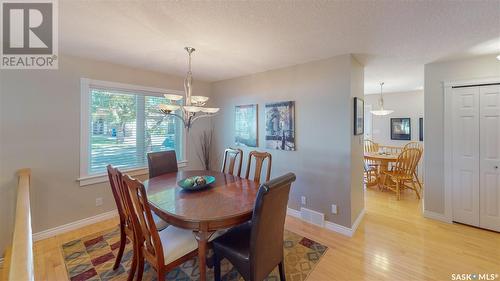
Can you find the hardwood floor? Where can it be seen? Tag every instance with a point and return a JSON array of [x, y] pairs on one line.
[[393, 242]]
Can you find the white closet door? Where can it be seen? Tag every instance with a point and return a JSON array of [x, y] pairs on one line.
[[465, 122], [490, 157]]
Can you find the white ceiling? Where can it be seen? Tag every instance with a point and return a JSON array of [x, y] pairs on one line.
[[393, 39]]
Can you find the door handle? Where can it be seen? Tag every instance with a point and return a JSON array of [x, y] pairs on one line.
[[496, 167]]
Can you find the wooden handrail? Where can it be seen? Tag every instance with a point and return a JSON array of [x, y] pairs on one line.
[[21, 260]]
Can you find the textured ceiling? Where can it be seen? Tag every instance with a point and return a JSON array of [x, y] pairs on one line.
[[393, 39]]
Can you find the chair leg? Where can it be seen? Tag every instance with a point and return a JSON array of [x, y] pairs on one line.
[[416, 190], [160, 274], [398, 191], [123, 240], [418, 181], [140, 265], [217, 276], [133, 267], [281, 267]]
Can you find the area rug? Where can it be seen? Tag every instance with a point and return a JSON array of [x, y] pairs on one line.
[[91, 258]]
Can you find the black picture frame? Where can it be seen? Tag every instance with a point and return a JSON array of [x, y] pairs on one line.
[[421, 129], [400, 129], [359, 116]]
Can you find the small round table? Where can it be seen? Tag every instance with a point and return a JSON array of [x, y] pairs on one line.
[[383, 160], [229, 201]]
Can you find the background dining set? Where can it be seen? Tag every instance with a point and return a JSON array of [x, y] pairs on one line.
[[394, 168], [240, 219]]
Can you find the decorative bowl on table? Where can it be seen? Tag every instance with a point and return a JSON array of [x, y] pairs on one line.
[[196, 182]]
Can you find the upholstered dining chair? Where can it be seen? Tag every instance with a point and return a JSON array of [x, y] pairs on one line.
[[163, 250], [162, 162], [401, 174], [231, 154], [255, 248], [124, 213], [260, 157]]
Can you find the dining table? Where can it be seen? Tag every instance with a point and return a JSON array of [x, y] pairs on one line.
[[227, 202], [382, 159]]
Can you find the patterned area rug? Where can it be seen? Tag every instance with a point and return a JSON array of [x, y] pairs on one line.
[[92, 258]]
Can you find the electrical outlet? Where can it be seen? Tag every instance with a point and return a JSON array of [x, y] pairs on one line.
[[334, 209], [303, 200], [98, 201]]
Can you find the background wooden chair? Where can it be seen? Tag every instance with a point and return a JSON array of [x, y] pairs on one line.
[[260, 157], [370, 177], [401, 174], [231, 154], [418, 146], [255, 248], [163, 250], [125, 215], [162, 162], [370, 146]]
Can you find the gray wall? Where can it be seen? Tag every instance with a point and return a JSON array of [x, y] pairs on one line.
[[435, 74], [40, 129], [404, 104], [323, 113]]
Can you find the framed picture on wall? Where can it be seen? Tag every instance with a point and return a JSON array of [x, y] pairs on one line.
[[245, 125], [400, 129], [280, 125], [359, 116], [421, 129]]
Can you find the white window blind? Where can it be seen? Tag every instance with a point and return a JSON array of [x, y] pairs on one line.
[[125, 125]]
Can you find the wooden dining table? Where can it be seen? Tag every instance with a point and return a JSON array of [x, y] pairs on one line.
[[227, 202], [383, 160]]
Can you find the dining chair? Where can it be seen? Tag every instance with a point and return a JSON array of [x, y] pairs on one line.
[[260, 157], [162, 162], [125, 215], [371, 146], [370, 176], [255, 248], [231, 154], [417, 145], [402, 172], [163, 250]]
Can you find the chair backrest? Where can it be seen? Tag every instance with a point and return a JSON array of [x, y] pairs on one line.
[[144, 226], [268, 223], [232, 154], [118, 190], [370, 146], [259, 161], [161, 163], [414, 144], [407, 161]]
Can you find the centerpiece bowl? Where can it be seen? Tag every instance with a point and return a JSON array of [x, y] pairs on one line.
[[196, 183]]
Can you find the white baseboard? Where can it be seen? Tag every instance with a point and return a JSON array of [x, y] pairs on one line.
[[73, 225], [333, 226], [437, 216]]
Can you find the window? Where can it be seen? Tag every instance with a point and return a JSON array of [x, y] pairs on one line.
[[121, 124]]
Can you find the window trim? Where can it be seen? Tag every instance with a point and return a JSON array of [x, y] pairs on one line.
[[86, 84]]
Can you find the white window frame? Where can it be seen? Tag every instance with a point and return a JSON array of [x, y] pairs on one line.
[[86, 84]]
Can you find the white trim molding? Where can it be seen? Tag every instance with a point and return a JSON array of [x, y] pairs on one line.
[[94, 179], [85, 125], [73, 225], [437, 216], [333, 226]]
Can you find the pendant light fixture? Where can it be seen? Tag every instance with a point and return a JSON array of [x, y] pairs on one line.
[[381, 111], [194, 106]]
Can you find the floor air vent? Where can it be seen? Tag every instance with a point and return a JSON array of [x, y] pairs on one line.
[[313, 217]]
